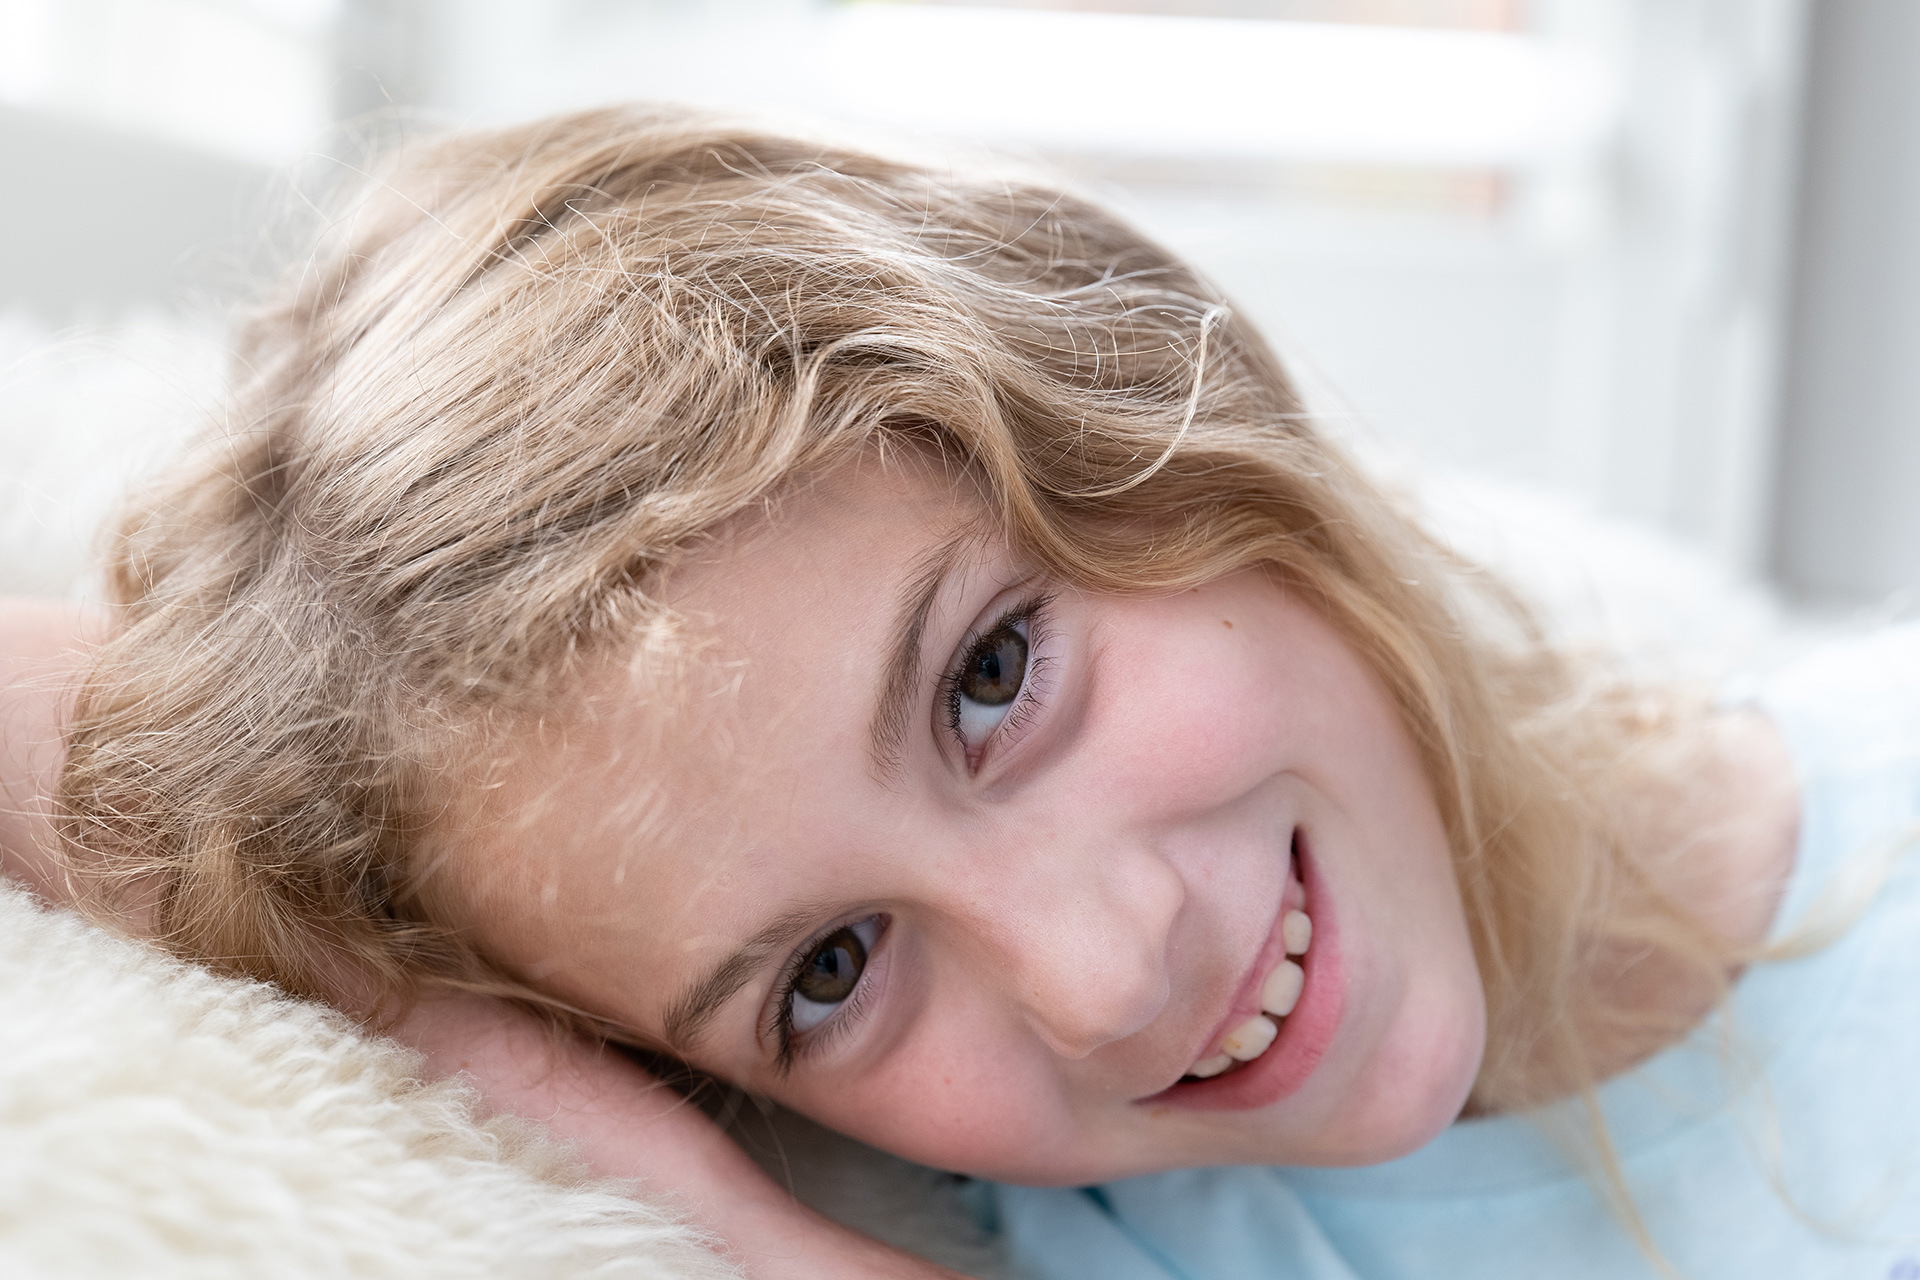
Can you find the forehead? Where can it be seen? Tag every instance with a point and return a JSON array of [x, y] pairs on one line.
[[854, 538], [638, 839]]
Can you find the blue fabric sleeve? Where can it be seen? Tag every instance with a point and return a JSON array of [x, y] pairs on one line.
[[1195, 1224]]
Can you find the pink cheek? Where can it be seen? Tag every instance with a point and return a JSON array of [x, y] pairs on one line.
[[953, 1109], [1189, 743]]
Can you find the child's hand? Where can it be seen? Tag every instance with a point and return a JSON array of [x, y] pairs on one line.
[[43, 647], [626, 1124]]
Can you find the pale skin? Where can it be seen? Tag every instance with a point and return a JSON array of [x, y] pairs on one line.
[[1058, 912]]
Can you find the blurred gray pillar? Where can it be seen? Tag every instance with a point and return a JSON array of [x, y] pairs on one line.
[[1849, 521]]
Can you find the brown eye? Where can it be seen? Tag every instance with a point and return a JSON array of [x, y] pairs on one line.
[[828, 975], [823, 982], [995, 668]]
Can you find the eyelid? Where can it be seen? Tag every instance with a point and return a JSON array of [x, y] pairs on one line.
[[789, 1047], [1035, 611]]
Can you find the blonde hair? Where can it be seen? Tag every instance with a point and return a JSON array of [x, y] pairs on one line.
[[525, 367]]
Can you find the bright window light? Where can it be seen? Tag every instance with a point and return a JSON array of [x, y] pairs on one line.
[[246, 78], [1132, 84], [294, 15], [26, 51]]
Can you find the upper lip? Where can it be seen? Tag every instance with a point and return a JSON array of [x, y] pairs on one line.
[[1245, 993]]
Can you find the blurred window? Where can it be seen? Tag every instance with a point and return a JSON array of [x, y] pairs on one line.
[[1471, 15], [1440, 107], [246, 78]]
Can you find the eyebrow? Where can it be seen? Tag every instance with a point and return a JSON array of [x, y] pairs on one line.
[[901, 682], [695, 1007], [688, 1015]]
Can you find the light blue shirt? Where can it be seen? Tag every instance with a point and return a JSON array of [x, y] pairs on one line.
[[1795, 1156]]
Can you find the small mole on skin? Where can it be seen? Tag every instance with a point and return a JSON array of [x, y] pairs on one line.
[[1226, 624]]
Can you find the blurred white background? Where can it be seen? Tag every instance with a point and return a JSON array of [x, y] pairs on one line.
[[1660, 258]]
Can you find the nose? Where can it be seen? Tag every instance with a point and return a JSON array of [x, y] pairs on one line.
[[1084, 938]]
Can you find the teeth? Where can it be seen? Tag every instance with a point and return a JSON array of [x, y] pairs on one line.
[[1278, 996], [1210, 1066], [1296, 929], [1282, 990], [1250, 1039]]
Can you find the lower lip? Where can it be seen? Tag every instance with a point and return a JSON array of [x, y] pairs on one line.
[[1304, 1034]]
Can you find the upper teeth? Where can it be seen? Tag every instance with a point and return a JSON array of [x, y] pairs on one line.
[[1210, 1066], [1250, 1039], [1296, 930], [1278, 996], [1282, 989]]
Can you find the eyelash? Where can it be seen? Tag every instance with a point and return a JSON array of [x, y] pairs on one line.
[[1033, 612], [791, 1049]]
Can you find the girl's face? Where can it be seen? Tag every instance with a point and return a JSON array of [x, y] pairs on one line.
[[988, 871]]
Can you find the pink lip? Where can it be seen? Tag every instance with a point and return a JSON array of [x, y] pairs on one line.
[[1304, 1035]]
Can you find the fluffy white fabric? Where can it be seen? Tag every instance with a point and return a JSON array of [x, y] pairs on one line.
[[158, 1121]]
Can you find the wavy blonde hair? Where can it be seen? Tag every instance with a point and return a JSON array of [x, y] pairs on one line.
[[525, 367]]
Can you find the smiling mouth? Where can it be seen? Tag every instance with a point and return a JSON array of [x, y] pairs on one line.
[[1279, 993]]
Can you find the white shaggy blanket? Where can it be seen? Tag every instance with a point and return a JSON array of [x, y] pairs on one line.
[[158, 1121]]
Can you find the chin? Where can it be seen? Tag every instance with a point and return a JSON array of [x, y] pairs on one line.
[[1416, 1093]]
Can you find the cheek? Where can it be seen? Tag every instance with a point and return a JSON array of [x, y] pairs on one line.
[[1186, 710], [1421, 1077], [954, 1098]]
